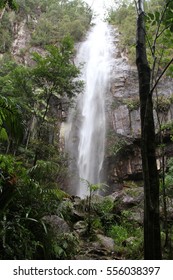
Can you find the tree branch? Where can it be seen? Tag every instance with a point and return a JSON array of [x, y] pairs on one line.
[[140, 6], [161, 75], [163, 30]]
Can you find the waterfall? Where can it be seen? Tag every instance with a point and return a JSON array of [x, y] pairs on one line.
[[89, 130]]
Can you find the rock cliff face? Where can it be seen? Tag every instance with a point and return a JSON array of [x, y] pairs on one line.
[[123, 158], [22, 38], [22, 48]]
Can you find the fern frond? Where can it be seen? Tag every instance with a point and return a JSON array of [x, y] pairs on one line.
[[11, 118]]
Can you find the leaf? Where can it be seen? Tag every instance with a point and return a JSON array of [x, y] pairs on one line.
[[58, 250], [65, 245], [44, 226], [3, 134], [33, 220]]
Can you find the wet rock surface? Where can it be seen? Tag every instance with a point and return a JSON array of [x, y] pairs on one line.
[[123, 118]]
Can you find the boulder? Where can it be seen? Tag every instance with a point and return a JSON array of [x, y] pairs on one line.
[[57, 224], [106, 242], [80, 227]]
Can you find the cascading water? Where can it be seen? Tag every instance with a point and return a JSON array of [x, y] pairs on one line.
[[96, 55]]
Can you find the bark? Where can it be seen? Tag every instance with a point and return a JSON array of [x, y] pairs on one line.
[[152, 240]]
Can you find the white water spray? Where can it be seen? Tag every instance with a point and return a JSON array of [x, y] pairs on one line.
[[96, 56]]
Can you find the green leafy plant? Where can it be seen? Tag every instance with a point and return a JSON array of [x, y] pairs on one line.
[[104, 211], [66, 246], [10, 120], [73, 19], [11, 3], [132, 104], [23, 234], [128, 237], [162, 104], [93, 189]]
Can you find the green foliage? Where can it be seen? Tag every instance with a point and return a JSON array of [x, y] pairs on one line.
[[54, 72], [16, 97], [10, 120], [44, 170], [104, 211], [124, 17], [34, 92], [65, 210], [6, 34], [159, 26], [132, 104], [119, 233], [159, 35], [99, 210], [23, 234], [27, 195], [66, 246], [11, 3], [73, 19], [91, 219], [50, 169], [167, 126], [169, 177], [162, 103], [128, 237], [14, 80], [47, 21]]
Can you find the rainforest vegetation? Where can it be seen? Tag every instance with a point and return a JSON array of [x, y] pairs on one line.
[[37, 85]]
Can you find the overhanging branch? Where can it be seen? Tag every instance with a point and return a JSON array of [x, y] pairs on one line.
[[161, 75]]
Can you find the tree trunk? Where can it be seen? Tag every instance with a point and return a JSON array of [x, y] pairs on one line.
[[152, 240]]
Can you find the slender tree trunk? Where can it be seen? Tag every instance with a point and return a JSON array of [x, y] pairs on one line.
[[152, 240]]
